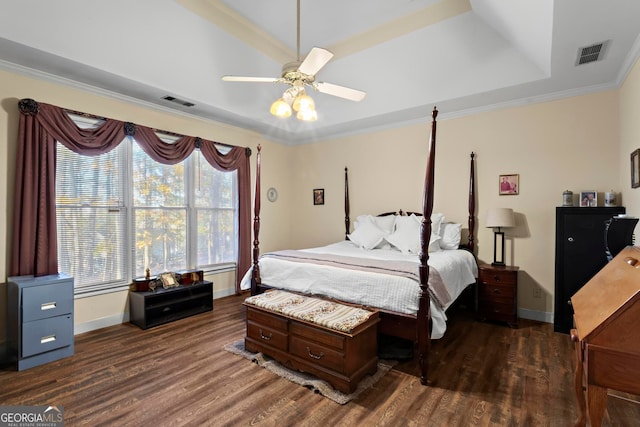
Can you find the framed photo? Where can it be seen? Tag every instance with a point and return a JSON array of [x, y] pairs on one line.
[[318, 196], [588, 199], [635, 169], [168, 280], [509, 184]]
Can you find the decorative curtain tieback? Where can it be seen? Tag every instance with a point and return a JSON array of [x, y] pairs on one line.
[[129, 128], [29, 106]]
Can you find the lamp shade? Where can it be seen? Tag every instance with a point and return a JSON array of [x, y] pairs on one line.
[[500, 218]]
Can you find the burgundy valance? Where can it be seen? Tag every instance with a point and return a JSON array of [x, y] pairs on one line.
[[34, 245]]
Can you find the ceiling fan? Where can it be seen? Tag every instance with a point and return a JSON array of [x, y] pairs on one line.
[[299, 74]]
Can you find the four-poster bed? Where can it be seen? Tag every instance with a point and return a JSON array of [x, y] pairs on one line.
[[427, 298]]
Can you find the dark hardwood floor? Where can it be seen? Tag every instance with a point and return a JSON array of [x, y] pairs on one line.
[[178, 374]]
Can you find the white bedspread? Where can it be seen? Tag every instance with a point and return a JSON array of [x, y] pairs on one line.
[[457, 268]]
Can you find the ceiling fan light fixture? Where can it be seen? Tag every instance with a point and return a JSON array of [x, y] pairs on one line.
[[307, 115], [303, 102], [280, 108], [297, 75]]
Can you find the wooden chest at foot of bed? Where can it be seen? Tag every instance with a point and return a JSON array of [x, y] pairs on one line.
[[299, 340]]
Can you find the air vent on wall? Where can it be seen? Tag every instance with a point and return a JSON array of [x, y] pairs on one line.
[[179, 101], [591, 53]]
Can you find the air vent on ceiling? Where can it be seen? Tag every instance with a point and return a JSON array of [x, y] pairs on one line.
[[178, 101], [591, 53]]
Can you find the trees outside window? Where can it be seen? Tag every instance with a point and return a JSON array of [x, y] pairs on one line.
[[121, 212]]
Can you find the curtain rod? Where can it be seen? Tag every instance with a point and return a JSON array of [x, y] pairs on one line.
[[178, 135]]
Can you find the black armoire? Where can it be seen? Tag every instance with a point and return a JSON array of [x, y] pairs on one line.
[[580, 254]]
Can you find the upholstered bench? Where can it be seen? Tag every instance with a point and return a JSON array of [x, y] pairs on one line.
[[335, 342]]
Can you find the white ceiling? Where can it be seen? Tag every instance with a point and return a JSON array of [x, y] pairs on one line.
[[464, 56]]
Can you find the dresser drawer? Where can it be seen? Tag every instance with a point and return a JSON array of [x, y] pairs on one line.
[[44, 335], [41, 302], [268, 320], [496, 290], [322, 337], [317, 354], [493, 277], [497, 306], [267, 335], [497, 293]]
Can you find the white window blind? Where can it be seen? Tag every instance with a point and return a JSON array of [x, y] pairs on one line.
[[91, 217], [121, 212]]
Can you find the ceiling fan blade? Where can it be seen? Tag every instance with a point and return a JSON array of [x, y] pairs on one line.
[[341, 91], [250, 79], [315, 60]]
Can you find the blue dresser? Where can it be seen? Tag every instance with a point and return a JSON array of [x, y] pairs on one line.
[[40, 323]]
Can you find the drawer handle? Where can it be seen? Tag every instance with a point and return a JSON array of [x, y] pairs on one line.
[[48, 306], [496, 290], [265, 337], [315, 356], [48, 338], [496, 278]]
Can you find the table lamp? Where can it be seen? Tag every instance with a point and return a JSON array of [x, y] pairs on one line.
[[499, 218]]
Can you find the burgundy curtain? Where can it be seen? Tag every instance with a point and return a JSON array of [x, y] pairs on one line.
[[34, 245], [237, 159]]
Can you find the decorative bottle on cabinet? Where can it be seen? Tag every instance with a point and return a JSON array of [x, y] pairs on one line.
[[580, 254], [40, 322]]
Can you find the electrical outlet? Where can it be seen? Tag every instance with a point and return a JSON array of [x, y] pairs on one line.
[[537, 292]]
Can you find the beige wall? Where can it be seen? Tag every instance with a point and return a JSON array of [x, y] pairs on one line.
[[629, 124], [553, 146]]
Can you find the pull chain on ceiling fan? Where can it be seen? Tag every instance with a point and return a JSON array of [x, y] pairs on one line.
[[298, 75]]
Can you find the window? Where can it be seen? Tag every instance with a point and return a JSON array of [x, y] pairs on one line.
[[121, 212], [91, 217]]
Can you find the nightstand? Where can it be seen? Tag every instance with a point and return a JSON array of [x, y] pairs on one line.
[[498, 293]]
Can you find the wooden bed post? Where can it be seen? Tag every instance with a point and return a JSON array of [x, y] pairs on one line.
[[347, 221], [423, 327], [255, 274], [472, 203]]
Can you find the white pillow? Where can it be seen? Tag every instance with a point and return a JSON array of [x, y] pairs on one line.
[[360, 219], [450, 235], [386, 223], [367, 235], [436, 222], [406, 236]]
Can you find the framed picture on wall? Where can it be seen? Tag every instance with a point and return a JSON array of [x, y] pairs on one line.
[[318, 196], [509, 184], [635, 169]]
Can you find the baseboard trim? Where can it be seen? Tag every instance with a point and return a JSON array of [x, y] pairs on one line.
[[540, 316], [103, 322], [116, 319], [221, 294]]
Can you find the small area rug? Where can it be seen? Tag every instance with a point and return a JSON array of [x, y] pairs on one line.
[[317, 385]]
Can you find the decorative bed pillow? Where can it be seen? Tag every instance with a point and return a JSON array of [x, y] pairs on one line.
[[367, 235], [436, 222], [406, 237], [385, 223], [434, 243], [450, 235], [359, 220]]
